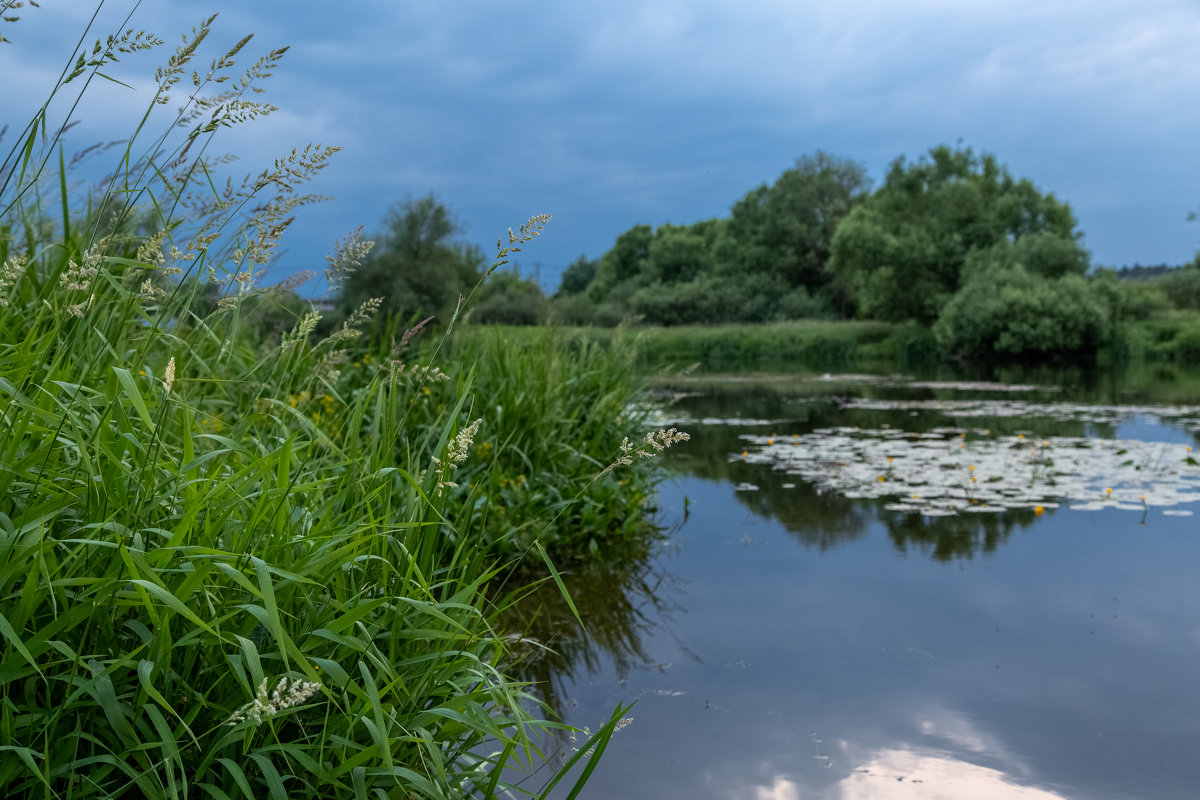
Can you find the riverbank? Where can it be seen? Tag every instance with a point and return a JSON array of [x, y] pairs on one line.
[[238, 558], [832, 345]]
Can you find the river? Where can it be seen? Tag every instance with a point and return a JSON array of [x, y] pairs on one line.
[[882, 587]]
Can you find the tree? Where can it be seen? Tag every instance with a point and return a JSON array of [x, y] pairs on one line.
[[622, 263], [901, 254], [679, 253], [786, 230], [577, 276], [507, 299], [418, 266], [766, 261]]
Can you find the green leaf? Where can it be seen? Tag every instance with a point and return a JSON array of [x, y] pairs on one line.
[[135, 397]]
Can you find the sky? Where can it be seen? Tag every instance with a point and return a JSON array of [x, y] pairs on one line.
[[611, 113]]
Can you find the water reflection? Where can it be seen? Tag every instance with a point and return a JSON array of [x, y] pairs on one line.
[[1060, 665], [621, 603], [817, 519], [912, 775], [908, 775], [832, 437], [950, 538]]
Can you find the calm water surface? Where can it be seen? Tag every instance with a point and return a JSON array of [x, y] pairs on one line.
[[788, 643]]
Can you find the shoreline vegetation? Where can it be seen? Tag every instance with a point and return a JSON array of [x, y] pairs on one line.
[[247, 552], [950, 259], [249, 548], [831, 345]]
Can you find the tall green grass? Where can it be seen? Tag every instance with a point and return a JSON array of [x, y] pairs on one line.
[[236, 568], [784, 346], [557, 400]]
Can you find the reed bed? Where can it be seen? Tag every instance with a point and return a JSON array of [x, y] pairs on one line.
[[778, 346], [244, 566]]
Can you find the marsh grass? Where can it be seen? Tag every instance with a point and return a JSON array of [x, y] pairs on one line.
[[557, 399], [232, 567], [782, 346]]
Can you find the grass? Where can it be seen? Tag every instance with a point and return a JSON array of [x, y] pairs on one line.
[[556, 399], [778, 346], [196, 519], [1172, 337]]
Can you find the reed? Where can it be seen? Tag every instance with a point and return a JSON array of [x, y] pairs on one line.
[[779, 346], [232, 567]]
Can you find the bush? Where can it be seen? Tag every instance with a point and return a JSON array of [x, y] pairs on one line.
[[572, 309], [903, 253], [1011, 313], [1182, 287], [507, 299], [1187, 344], [677, 304]]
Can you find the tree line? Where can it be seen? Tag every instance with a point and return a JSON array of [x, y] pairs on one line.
[[989, 263]]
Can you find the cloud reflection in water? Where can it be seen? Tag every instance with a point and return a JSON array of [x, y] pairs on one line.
[[909, 774]]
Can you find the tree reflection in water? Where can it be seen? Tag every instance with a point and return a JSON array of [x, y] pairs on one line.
[[953, 537], [785, 408], [620, 601]]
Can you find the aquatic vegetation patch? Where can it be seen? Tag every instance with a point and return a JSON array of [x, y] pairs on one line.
[[1187, 417], [660, 416], [953, 470], [978, 386]]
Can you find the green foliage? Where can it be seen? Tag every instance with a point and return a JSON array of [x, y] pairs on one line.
[[234, 562], [1047, 254], [902, 253], [572, 310], [577, 276], [786, 230], [781, 345], [417, 266], [1182, 287], [623, 264], [1167, 337], [553, 404], [679, 304], [765, 262], [1014, 312], [507, 299], [1130, 300]]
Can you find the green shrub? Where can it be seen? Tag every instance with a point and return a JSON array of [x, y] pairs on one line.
[[1182, 287], [1187, 344], [1012, 312], [508, 299]]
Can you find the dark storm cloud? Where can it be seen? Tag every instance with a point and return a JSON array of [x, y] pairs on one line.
[[608, 114]]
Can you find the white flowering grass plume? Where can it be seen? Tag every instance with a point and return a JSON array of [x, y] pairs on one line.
[[287, 694], [651, 445], [622, 724], [456, 454]]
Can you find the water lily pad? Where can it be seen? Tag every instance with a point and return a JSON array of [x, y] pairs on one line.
[[940, 470]]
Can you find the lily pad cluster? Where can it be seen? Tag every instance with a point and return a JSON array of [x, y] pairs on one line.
[[1186, 417], [953, 470]]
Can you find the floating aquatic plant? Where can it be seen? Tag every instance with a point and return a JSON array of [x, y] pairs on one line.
[[1187, 416], [948, 470]]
